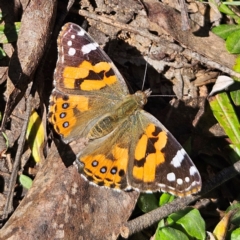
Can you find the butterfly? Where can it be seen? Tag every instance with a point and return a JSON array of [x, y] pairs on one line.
[[127, 148]]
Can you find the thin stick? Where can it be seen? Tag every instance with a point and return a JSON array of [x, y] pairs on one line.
[[16, 164], [184, 15]]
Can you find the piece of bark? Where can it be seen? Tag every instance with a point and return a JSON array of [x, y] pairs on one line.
[[36, 24], [61, 204], [211, 46]]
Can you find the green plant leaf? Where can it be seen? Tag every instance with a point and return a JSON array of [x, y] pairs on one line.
[[233, 42], [25, 181], [225, 30], [147, 202], [9, 32], [233, 153], [2, 53], [235, 96], [236, 67], [235, 219], [35, 135], [225, 9], [165, 198], [235, 235], [170, 233], [191, 221], [225, 114], [236, 3]]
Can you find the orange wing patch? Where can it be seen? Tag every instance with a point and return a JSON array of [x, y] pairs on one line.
[[109, 171], [89, 77], [63, 109], [148, 153]]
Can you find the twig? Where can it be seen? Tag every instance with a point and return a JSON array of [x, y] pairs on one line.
[[148, 219], [122, 26], [16, 164], [184, 15], [210, 63]]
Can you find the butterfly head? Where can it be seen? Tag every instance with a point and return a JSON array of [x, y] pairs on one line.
[[141, 97]]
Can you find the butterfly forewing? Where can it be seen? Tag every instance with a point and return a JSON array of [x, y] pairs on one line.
[[83, 68]]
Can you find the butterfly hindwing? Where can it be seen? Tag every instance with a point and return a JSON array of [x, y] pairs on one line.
[[106, 160], [160, 162]]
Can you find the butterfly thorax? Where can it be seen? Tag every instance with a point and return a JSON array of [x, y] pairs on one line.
[[120, 113]]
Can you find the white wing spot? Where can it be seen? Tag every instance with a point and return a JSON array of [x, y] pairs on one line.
[[171, 177], [80, 33], [193, 184], [179, 181], [179, 157], [187, 179], [69, 43], [89, 47], [192, 170], [72, 36], [71, 51]]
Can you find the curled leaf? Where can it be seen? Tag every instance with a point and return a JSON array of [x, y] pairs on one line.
[[35, 135]]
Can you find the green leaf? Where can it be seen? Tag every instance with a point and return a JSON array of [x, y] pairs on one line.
[[161, 223], [236, 3], [236, 67], [235, 235], [9, 32], [233, 153], [25, 181], [35, 135], [6, 138], [191, 221], [225, 30], [233, 42], [147, 202], [225, 114], [235, 96], [235, 219], [165, 198], [225, 9], [170, 233], [2, 53]]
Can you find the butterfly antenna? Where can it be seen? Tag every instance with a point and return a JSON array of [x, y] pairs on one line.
[[145, 72], [148, 91]]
